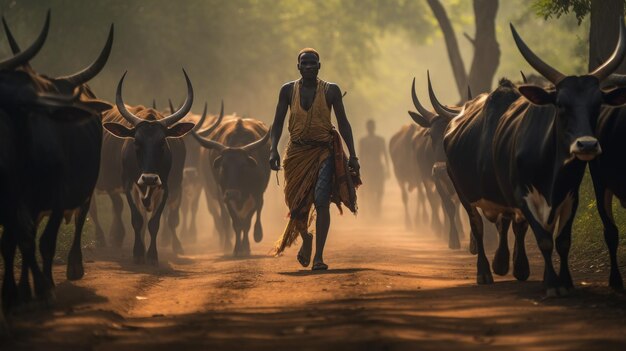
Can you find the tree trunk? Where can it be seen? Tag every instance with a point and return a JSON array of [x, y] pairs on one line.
[[486, 49], [458, 68], [486, 56], [604, 31]]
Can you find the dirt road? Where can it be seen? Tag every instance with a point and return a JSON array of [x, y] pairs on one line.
[[388, 289]]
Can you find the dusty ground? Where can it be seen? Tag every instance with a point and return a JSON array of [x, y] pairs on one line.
[[388, 289]]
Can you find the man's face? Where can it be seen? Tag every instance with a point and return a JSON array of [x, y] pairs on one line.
[[309, 65]]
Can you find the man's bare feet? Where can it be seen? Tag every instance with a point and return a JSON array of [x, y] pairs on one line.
[[304, 255], [319, 266]]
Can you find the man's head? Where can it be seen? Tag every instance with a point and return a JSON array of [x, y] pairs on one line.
[[371, 126], [309, 63]]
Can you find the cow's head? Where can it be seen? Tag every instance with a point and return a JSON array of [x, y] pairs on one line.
[[149, 133], [69, 85], [436, 121], [232, 163], [576, 98]]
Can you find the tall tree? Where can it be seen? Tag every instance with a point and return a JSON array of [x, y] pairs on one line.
[[486, 58], [603, 32]]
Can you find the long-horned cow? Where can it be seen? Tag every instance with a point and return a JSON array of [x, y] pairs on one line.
[[152, 160], [235, 158], [525, 164], [55, 123]]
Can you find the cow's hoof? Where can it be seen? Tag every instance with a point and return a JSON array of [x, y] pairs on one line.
[[454, 245], [258, 234], [100, 241], [153, 261], [500, 262], [552, 292], [139, 259], [75, 271], [521, 271], [565, 291], [178, 249], [616, 282], [484, 279]]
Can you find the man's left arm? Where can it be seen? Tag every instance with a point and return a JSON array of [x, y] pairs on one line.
[[344, 125]]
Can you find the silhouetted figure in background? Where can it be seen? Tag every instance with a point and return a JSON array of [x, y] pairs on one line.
[[373, 151]]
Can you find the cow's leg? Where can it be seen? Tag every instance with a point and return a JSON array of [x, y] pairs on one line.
[[450, 211], [405, 203], [483, 275], [26, 243], [93, 213], [501, 259], [195, 204], [24, 291], [421, 213], [604, 204], [48, 243], [563, 243], [8, 244], [435, 205], [225, 226], [184, 211], [238, 249], [173, 219], [546, 245], [258, 229], [137, 220], [245, 231], [521, 268], [117, 226], [75, 269], [152, 257]]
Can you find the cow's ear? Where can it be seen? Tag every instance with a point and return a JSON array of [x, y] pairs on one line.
[[614, 97], [218, 162], [419, 119], [98, 105], [179, 129], [119, 130], [537, 95], [252, 161]]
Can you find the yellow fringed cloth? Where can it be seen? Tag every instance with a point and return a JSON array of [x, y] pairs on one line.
[[312, 141]]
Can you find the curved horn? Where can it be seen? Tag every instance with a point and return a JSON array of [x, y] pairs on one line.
[[616, 58], [543, 68], [209, 130], [524, 79], [259, 143], [15, 48], [615, 79], [207, 143], [421, 109], [31, 51], [119, 102], [182, 112], [92, 70], [469, 93], [439, 108]]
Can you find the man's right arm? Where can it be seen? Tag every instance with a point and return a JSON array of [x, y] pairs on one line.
[[277, 127]]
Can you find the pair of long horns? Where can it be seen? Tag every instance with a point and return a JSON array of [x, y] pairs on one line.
[[212, 144], [167, 121], [440, 109], [76, 79], [555, 76]]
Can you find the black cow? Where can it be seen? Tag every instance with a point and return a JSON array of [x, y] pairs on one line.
[[60, 141], [525, 162], [435, 125], [607, 172], [152, 160], [234, 158]]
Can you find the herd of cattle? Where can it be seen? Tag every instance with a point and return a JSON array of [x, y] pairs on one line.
[[59, 144], [519, 155]]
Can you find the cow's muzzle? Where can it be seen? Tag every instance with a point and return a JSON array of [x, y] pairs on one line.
[[585, 148], [149, 179]]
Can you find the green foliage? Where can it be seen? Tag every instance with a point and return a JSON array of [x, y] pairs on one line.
[[557, 8], [588, 247]]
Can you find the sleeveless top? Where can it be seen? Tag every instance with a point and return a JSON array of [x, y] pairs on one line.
[[312, 126]]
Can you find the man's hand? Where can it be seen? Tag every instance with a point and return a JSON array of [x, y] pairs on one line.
[[353, 165], [274, 160]]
